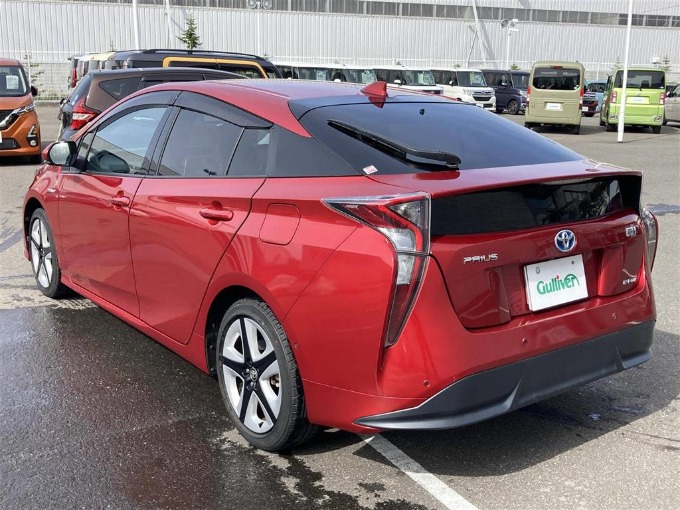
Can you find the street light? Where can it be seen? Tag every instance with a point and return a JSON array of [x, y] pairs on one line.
[[259, 5], [510, 24]]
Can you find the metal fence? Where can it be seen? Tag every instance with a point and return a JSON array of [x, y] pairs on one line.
[[49, 72]]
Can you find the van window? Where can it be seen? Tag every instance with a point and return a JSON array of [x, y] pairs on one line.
[[556, 78], [470, 79], [642, 79]]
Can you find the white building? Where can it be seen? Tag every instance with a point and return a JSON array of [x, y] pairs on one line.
[[418, 32]]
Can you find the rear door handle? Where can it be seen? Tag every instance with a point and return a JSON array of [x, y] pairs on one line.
[[120, 201], [216, 214]]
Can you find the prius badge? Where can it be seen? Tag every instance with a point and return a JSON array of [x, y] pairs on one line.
[[565, 241]]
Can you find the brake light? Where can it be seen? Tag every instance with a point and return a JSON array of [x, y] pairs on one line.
[[612, 99], [662, 98], [405, 221], [81, 114], [580, 99], [651, 234], [74, 77]]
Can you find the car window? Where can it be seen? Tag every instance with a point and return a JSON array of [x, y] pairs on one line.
[[374, 138], [199, 145], [557, 78], [249, 71], [121, 146], [81, 89], [13, 82], [252, 152], [123, 87], [642, 79]]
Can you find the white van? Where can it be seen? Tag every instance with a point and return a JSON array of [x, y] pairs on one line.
[[301, 71], [410, 78], [467, 85]]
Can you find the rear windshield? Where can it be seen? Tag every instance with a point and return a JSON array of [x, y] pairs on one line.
[[13, 81], [596, 86], [556, 78], [478, 138], [520, 80], [643, 79]]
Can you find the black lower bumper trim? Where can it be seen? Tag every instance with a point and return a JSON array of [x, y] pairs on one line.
[[493, 392]]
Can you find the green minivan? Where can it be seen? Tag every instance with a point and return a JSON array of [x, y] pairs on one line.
[[645, 98], [555, 95]]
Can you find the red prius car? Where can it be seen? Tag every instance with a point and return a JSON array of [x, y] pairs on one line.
[[348, 257]]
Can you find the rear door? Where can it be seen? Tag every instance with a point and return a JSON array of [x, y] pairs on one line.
[[184, 218], [555, 93], [643, 92]]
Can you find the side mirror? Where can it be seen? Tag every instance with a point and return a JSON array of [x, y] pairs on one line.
[[34, 91], [451, 83], [397, 82], [60, 153]]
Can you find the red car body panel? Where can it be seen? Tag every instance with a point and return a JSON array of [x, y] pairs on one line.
[[166, 259]]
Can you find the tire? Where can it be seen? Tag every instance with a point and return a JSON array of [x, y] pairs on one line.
[[43, 256], [601, 122], [35, 160], [589, 114], [513, 107], [664, 122], [259, 378], [499, 110], [610, 127], [576, 129], [529, 125], [656, 130]]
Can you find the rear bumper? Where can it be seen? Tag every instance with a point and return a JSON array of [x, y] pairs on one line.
[[497, 391]]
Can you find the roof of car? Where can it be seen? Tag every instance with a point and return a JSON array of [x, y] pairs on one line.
[[269, 99], [138, 71], [160, 54], [9, 62]]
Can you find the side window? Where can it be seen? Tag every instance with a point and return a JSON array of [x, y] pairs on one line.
[[292, 155], [437, 76], [250, 158], [199, 145], [118, 89], [121, 146]]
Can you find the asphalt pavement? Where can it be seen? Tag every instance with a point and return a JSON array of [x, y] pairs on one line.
[[94, 414]]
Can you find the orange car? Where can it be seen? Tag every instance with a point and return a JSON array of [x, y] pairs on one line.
[[19, 126]]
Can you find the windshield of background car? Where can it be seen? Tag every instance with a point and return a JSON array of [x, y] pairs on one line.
[[557, 78], [596, 86], [418, 78], [471, 79], [358, 75], [520, 80], [643, 79], [464, 130], [13, 82], [314, 73]]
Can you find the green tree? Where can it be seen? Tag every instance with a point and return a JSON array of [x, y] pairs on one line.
[[189, 35], [666, 63], [617, 65], [33, 70], [514, 66]]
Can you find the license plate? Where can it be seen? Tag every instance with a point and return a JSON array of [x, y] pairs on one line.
[[555, 282], [584, 108], [553, 106], [637, 100]]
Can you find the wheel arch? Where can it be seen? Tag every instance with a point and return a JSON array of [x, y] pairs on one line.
[[220, 304], [32, 204]]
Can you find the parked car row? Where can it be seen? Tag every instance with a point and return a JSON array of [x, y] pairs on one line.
[[349, 256]]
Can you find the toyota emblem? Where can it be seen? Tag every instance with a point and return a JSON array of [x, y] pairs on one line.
[[565, 241]]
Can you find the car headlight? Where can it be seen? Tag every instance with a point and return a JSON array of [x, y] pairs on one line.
[[17, 112]]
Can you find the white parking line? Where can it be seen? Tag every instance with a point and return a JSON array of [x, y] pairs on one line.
[[438, 489]]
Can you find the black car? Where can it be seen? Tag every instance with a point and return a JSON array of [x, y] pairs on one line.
[[98, 90]]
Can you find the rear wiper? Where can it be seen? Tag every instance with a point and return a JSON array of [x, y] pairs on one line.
[[398, 150]]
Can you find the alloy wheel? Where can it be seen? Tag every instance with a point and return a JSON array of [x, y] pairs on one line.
[[251, 374], [42, 254]]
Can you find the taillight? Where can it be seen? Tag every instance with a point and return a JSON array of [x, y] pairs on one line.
[[651, 234], [81, 114], [405, 221], [580, 99], [662, 98], [74, 77], [612, 98], [528, 94]]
